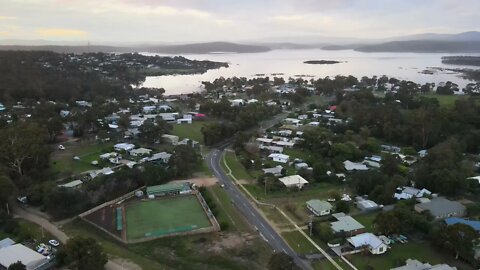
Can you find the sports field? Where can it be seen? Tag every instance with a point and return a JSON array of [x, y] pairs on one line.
[[154, 218]]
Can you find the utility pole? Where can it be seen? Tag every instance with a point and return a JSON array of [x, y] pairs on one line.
[[8, 209], [310, 224]]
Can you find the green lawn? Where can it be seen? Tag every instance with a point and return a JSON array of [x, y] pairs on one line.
[[64, 165], [164, 216], [228, 213], [237, 168], [191, 131], [444, 100], [28, 230], [367, 220], [298, 242], [399, 253], [183, 252]]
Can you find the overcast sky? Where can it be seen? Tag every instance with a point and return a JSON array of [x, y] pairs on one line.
[[232, 20]]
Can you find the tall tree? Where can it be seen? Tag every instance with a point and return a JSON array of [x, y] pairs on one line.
[[86, 253]]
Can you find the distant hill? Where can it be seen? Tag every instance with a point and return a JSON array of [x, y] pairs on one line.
[[195, 48], [423, 46]]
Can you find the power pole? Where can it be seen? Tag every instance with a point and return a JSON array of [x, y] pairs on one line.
[[310, 224]]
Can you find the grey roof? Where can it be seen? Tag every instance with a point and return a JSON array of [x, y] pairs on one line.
[[442, 207], [19, 252], [346, 224], [319, 206], [6, 242], [417, 265]]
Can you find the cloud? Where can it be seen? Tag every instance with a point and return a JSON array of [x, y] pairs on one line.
[[60, 32], [287, 18], [7, 18], [223, 22]]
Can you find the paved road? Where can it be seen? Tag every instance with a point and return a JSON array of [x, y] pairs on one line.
[[53, 230], [251, 213]]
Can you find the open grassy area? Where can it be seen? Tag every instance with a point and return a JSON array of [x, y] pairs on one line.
[[191, 131], [444, 100], [64, 165], [185, 252], [237, 168], [298, 242], [367, 220], [227, 211], [164, 216], [399, 253]]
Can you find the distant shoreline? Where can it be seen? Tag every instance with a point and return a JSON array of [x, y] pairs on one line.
[[322, 62]]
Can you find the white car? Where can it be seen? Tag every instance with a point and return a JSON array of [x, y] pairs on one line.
[[54, 243]]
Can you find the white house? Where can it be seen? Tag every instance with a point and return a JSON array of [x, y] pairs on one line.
[[319, 208], [123, 147], [279, 157], [162, 156], [276, 171], [237, 102], [18, 252], [140, 152], [292, 121], [405, 193], [353, 166], [370, 241], [293, 181]]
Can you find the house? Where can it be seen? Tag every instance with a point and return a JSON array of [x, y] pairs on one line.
[[276, 171], [353, 166], [140, 152], [279, 157], [319, 208], [373, 161], [149, 109], [300, 166], [405, 193], [476, 178], [368, 241], [123, 147], [18, 252], [314, 124], [108, 155], [293, 181], [441, 208], [272, 149], [422, 153], [237, 102], [164, 157], [417, 265], [264, 140], [366, 205], [72, 184], [172, 139], [64, 113], [2, 107], [285, 133], [293, 121], [187, 118], [346, 224], [471, 223], [169, 117], [6, 242], [390, 149], [286, 144]]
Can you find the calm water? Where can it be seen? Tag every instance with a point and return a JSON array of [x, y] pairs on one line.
[[290, 62]]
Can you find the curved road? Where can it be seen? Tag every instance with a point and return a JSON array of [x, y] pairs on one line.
[[252, 215]]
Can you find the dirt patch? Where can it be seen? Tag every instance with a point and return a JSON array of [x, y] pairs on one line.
[[200, 181], [231, 241]]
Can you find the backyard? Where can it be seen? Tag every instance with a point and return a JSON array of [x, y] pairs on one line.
[[191, 131]]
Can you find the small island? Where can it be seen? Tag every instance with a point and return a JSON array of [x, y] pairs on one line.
[[321, 62]]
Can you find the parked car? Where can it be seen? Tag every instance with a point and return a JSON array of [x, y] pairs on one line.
[[54, 243]]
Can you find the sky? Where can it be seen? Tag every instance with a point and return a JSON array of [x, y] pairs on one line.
[[171, 21]]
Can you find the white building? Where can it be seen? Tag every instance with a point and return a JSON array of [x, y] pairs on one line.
[[293, 181], [123, 147], [370, 241], [279, 157], [353, 166], [140, 152], [18, 252]]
